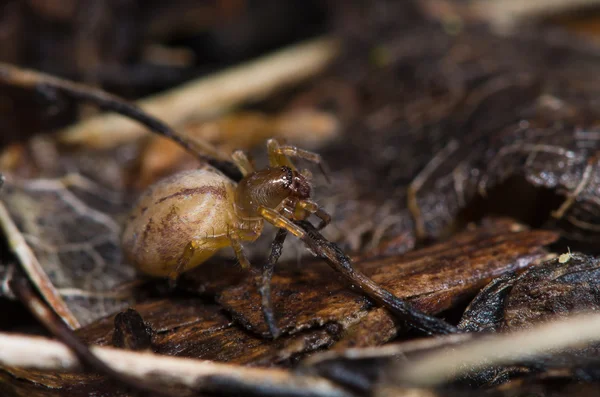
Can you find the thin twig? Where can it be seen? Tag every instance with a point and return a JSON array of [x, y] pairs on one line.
[[420, 180], [33, 268], [583, 183], [21, 287]]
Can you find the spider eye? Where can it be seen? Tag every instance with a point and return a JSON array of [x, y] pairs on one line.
[[288, 176]]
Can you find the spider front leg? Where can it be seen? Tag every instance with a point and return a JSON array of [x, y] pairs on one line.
[[263, 282], [313, 208], [300, 209], [279, 156], [281, 222]]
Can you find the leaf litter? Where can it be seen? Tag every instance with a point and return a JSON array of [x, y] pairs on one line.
[[476, 115]]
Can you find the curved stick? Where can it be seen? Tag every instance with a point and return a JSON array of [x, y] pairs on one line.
[[14, 76], [21, 287], [340, 262]]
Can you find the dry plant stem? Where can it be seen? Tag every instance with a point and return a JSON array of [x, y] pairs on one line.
[[340, 262], [34, 270], [389, 350], [404, 392], [14, 76], [264, 283], [505, 15], [201, 376], [211, 95], [40, 310], [420, 180], [571, 197], [446, 363]]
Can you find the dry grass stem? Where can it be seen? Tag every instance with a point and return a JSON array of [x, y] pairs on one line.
[[45, 354], [506, 15], [501, 349]]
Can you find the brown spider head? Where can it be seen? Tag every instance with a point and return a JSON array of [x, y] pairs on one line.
[[269, 188], [298, 184]]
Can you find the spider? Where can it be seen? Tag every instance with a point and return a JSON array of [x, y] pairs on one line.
[[165, 239], [183, 220]]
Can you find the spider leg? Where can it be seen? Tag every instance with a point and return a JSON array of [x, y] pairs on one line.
[[208, 244], [340, 262], [279, 155], [325, 218], [236, 244], [313, 208], [184, 259], [281, 222], [263, 282], [242, 162], [276, 157]]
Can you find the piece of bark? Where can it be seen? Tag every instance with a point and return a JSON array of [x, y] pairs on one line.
[[486, 310], [558, 288], [193, 328], [131, 332]]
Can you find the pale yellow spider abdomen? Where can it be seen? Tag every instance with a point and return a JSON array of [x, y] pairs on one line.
[[193, 206]]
